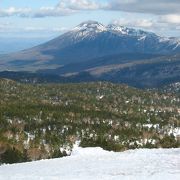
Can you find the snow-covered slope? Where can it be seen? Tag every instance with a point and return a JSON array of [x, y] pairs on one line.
[[128, 31], [97, 164], [90, 26]]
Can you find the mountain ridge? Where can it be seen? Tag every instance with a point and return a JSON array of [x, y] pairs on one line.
[[89, 40]]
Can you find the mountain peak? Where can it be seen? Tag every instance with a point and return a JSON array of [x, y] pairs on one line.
[[93, 27], [127, 31], [90, 26], [90, 22], [118, 28]]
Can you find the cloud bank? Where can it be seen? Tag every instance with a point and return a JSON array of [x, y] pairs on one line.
[[157, 7], [166, 12], [68, 7]]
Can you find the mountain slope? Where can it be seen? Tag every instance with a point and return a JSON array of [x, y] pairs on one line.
[[44, 120], [96, 164], [87, 41], [139, 70]]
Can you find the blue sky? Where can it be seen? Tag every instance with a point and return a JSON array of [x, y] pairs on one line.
[[28, 3], [49, 18]]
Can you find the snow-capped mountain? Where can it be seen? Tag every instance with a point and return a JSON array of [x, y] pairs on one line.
[[93, 27], [88, 29], [87, 41], [90, 26], [113, 38], [121, 30]]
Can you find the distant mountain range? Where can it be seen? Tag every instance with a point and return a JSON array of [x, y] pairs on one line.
[[114, 53]]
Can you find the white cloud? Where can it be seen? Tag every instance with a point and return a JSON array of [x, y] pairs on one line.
[[44, 29], [67, 7], [52, 11], [159, 26], [6, 26], [165, 13], [12, 28], [12, 11], [170, 18], [139, 23], [79, 4], [60, 29], [63, 8], [146, 6]]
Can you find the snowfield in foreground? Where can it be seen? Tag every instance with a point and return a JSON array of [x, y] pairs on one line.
[[97, 164]]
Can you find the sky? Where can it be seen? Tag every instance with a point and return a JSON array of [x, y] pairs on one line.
[[49, 18]]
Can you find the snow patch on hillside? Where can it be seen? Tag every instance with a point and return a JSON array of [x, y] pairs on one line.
[[97, 164]]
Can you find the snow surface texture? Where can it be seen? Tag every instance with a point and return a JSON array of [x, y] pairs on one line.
[[97, 164]]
